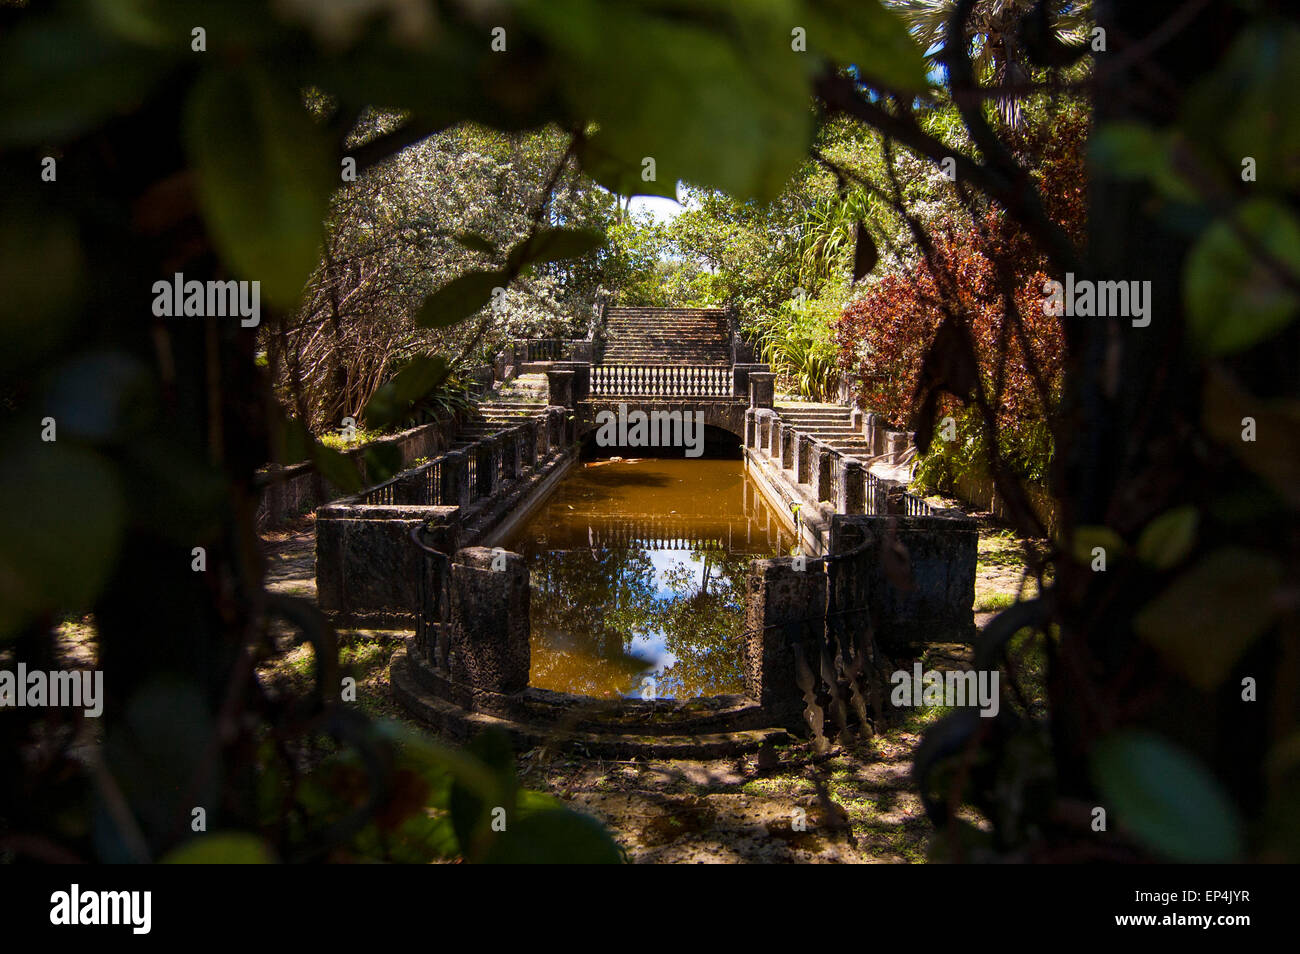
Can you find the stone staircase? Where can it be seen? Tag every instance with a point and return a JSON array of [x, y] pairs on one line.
[[832, 424], [829, 423], [512, 404], [682, 336]]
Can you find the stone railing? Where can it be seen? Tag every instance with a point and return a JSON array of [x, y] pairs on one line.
[[368, 571], [477, 471], [537, 354], [662, 381], [823, 474]]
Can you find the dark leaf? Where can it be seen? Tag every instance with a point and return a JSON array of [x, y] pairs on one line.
[[338, 468], [999, 631], [552, 245], [476, 243], [553, 836], [458, 299], [264, 173], [393, 399], [865, 255], [383, 460], [1211, 614], [1166, 798]]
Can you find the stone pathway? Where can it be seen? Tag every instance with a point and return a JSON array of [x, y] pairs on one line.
[[290, 555]]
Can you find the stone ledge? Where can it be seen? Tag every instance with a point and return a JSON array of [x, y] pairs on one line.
[[460, 724]]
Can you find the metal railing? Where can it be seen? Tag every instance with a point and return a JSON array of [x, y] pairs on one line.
[[547, 349], [478, 470], [432, 609]]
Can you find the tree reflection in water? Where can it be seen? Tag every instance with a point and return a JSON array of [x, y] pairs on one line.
[[638, 577]]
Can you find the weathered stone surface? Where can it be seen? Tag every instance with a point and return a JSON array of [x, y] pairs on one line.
[[803, 459], [827, 459], [740, 378], [788, 435], [785, 609], [852, 490], [722, 413], [559, 384], [764, 421], [762, 389], [773, 447], [937, 557], [899, 441], [455, 478], [488, 644], [366, 563]]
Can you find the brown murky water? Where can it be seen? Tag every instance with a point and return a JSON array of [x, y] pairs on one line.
[[638, 573]]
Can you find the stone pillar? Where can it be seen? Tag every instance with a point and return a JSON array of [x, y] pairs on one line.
[[455, 479], [855, 419], [852, 497], [877, 440], [869, 422], [787, 446], [803, 470], [898, 442], [826, 461], [529, 431], [740, 372], [555, 428], [774, 438], [762, 389], [411, 489], [559, 387], [488, 646], [762, 429], [581, 380], [784, 614], [751, 429]]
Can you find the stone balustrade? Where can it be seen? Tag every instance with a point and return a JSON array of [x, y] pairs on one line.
[[662, 381]]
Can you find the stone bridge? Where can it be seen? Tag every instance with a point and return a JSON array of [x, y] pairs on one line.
[[665, 360]]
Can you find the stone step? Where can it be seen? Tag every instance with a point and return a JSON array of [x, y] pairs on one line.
[[614, 742], [828, 435], [813, 415], [817, 421]]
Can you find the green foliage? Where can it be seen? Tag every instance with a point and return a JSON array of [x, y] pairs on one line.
[[1236, 279], [1166, 798], [1026, 448], [221, 848], [41, 569], [264, 177], [796, 341], [171, 162], [430, 802], [1166, 540]]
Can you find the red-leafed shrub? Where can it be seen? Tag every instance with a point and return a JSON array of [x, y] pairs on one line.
[[884, 335]]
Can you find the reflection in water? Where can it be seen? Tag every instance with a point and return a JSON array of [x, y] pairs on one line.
[[638, 574]]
